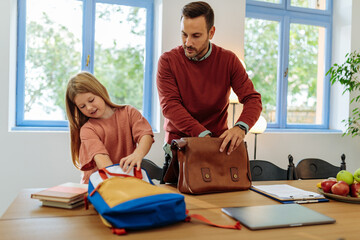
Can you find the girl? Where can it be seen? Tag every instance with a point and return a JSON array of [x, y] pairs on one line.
[[103, 133]]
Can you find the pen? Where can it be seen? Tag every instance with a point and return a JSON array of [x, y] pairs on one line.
[[306, 201]]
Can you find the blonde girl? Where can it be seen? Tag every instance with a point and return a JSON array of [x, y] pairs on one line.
[[103, 133]]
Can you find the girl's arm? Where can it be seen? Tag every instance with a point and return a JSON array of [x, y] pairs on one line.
[[102, 160], [127, 163]]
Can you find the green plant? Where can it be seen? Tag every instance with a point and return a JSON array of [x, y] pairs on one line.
[[347, 75]]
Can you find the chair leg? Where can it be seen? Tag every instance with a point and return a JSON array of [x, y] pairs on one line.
[[291, 169], [165, 167]]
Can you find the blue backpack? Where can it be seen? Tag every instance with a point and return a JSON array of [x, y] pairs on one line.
[[133, 202]]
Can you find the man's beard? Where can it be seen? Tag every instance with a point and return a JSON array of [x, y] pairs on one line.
[[195, 53]]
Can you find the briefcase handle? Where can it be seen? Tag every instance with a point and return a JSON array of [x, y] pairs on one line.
[[179, 144]]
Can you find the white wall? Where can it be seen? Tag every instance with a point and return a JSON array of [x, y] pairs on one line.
[[355, 41], [42, 159]]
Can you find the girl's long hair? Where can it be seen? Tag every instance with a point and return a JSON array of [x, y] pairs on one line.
[[83, 82]]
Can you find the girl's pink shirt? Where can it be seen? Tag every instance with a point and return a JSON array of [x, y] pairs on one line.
[[116, 137]]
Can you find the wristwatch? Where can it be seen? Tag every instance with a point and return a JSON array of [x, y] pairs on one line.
[[242, 127]]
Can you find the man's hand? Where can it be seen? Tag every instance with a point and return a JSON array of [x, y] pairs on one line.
[[235, 136]]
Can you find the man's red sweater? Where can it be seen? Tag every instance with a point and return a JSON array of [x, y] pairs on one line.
[[194, 95]]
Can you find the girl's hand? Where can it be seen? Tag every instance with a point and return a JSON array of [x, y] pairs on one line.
[[134, 159], [129, 162]]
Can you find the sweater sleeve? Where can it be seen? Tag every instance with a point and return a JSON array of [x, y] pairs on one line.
[[139, 125], [91, 145], [171, 102], [248, 96]]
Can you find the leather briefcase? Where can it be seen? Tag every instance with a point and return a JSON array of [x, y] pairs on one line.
[[199, 167]]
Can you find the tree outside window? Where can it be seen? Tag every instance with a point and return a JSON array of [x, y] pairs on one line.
[[287, 52], [53, 43]]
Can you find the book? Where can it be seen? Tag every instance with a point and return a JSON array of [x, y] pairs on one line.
[[285, 193], [64, 193], [70, 205]]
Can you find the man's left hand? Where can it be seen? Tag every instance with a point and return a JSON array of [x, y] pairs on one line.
[[235, 136]]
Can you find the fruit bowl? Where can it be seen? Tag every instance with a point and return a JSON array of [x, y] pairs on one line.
[[339, 198]]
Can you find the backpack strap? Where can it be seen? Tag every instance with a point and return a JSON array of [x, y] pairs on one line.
[[122, 231], [104, 172], [207, 221], [118, 231], [86, 203]]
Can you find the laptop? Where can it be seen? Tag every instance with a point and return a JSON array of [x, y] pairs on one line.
[[276, 216]]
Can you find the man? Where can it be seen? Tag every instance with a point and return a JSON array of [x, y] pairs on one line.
[[194, 82]]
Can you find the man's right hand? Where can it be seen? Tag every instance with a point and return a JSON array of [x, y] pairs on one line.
[[233, 136]]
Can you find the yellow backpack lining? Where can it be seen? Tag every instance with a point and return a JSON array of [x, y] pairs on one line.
[[112, 194]]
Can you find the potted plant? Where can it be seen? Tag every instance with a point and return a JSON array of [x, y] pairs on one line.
[[347, 75]]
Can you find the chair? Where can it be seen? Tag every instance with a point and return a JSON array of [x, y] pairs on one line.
[[262, 170], [153, 170], [315, 168]]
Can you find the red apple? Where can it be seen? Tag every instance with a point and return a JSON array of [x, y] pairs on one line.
[[327, 184], [355, 190], [340, 188]]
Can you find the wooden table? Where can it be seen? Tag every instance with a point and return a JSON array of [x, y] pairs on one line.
[[26, 219]]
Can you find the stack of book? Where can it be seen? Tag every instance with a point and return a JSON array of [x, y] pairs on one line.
[[67, 195]]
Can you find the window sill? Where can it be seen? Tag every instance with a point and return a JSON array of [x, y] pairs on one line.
[[39, 129], [302, 130]]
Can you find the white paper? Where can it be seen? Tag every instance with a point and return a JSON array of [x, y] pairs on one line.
[[285, 191]]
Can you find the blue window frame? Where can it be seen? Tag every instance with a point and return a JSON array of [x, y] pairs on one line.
[[82, 17], [301, 97]]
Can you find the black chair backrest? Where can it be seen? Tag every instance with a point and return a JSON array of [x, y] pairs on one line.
[[266, 171], [315, 168], [153, 170]]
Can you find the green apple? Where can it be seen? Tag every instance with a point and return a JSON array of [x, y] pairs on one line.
[[357, 175], [345, 176]]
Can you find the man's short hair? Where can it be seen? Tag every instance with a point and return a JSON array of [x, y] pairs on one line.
[[197, 9]]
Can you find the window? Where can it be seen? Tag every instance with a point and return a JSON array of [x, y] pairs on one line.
[[287, 54], [58, 38]]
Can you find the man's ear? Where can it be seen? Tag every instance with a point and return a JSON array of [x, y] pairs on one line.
[[211, 32]]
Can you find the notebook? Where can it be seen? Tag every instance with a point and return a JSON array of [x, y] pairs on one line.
[[276, 216], [66, 193], [285, 193]]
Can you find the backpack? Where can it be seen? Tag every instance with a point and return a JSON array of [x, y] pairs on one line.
[[132, 201]]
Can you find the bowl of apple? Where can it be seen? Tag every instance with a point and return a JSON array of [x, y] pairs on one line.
[[345, 187]]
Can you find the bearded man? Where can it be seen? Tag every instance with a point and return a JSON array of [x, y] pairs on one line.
[[194, 83]]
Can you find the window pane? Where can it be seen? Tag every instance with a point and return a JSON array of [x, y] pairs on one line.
[[120, 52], [52, 55], [314, 4], [261, 58], [306, 74]]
